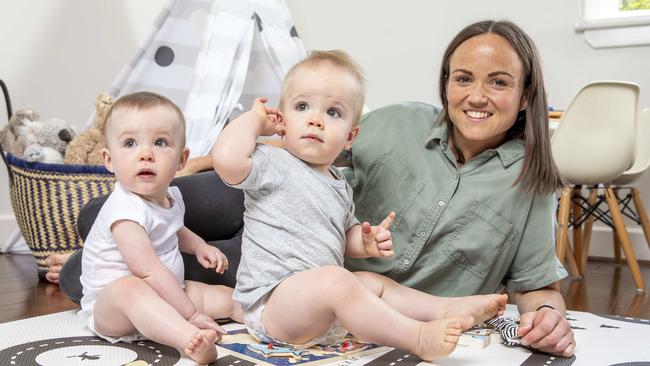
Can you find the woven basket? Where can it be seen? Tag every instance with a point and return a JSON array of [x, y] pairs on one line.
[[46, 199]]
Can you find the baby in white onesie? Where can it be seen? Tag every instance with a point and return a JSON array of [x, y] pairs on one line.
[[132, 269]]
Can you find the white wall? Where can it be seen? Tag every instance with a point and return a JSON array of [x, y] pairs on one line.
[[71, 49]]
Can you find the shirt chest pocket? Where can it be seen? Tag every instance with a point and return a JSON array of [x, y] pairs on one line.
[[390, 187], [479, 240]]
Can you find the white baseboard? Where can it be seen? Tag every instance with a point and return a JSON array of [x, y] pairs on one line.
[[602, 244], [7, 226]]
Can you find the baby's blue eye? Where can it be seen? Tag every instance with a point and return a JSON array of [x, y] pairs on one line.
[[129, 143], [334, 113], [160, 142], [302, 106]]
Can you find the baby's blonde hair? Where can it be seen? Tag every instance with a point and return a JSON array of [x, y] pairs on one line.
[[337, 58], [141, 101]]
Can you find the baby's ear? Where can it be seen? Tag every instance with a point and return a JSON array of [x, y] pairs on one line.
[[106, 157], [280, 126], [185, 154], [352, 135]]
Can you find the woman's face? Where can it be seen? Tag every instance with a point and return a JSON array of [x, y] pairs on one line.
[[484, 91]]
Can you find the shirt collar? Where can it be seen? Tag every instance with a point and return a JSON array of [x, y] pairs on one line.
[[509, 152]]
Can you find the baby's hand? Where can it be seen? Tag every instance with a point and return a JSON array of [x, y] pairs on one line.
[[378, 240], [203, 321], [271, 118], [211, 257]]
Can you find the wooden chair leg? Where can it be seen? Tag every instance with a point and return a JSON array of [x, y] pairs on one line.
[[624, 239], [643, 214], [586, 231], [561, 239], [617, 247], [576, 211]]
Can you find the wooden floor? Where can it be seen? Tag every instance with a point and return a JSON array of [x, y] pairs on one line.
[[605, 288]]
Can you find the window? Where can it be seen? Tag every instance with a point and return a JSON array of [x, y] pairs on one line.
[[615, 23]]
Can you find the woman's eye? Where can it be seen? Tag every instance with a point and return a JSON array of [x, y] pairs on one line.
[[499, 82], [129, 143], [160, 143], [463, 79], [301, 107], [333, 112]]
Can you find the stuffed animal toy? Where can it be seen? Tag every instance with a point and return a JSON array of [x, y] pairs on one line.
[[8, 133], [45, 142], [87, 147]]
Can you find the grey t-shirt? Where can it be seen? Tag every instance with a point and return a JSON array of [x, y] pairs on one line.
[[295, 219]]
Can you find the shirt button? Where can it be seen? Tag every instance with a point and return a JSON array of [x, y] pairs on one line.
[[406, 261], [423, 233], [441, 203]]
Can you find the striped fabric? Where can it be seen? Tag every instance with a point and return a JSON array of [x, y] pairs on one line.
[[508, 328], [46, 199]]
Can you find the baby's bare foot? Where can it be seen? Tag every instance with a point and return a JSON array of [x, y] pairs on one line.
[[439, 338], [480, 307], [201, 347]]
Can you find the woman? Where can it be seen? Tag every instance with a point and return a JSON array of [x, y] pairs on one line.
[[472, 184]]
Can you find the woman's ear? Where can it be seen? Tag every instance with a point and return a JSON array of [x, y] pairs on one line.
[[524, 103]]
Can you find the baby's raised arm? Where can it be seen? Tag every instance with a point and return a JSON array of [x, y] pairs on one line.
[[231, 154], [363, 241]]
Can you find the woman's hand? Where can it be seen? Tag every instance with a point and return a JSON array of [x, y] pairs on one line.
[[548, 331]]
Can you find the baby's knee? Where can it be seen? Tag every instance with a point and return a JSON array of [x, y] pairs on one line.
[[337, 281]]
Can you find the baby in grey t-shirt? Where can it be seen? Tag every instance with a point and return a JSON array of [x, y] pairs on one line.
[[299, 223]]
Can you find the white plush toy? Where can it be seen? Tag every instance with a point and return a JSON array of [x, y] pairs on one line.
[[45, 141]]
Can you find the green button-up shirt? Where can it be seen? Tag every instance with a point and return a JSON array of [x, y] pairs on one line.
[[458, 231]]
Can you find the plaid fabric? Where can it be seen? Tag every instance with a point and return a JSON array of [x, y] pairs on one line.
[[213, 58], [46, 199]]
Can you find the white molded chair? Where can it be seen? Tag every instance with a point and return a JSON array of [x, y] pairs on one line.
[[593, 145], [625, 190]]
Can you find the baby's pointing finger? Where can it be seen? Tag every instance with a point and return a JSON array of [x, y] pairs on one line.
[[366, 228], [388, 221]]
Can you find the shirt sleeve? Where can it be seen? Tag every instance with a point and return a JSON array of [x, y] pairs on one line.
[[123, 205], [265, 170], [350, 219], [536, 264]]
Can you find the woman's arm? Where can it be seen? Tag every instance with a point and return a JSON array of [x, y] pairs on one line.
[[542, 323], [196, 165]]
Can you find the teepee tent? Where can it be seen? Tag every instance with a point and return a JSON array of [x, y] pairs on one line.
[[213, 58]]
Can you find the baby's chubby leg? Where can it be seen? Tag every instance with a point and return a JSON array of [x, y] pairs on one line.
[[303, 307], [129, 304], [214, 300], [422, 306]]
